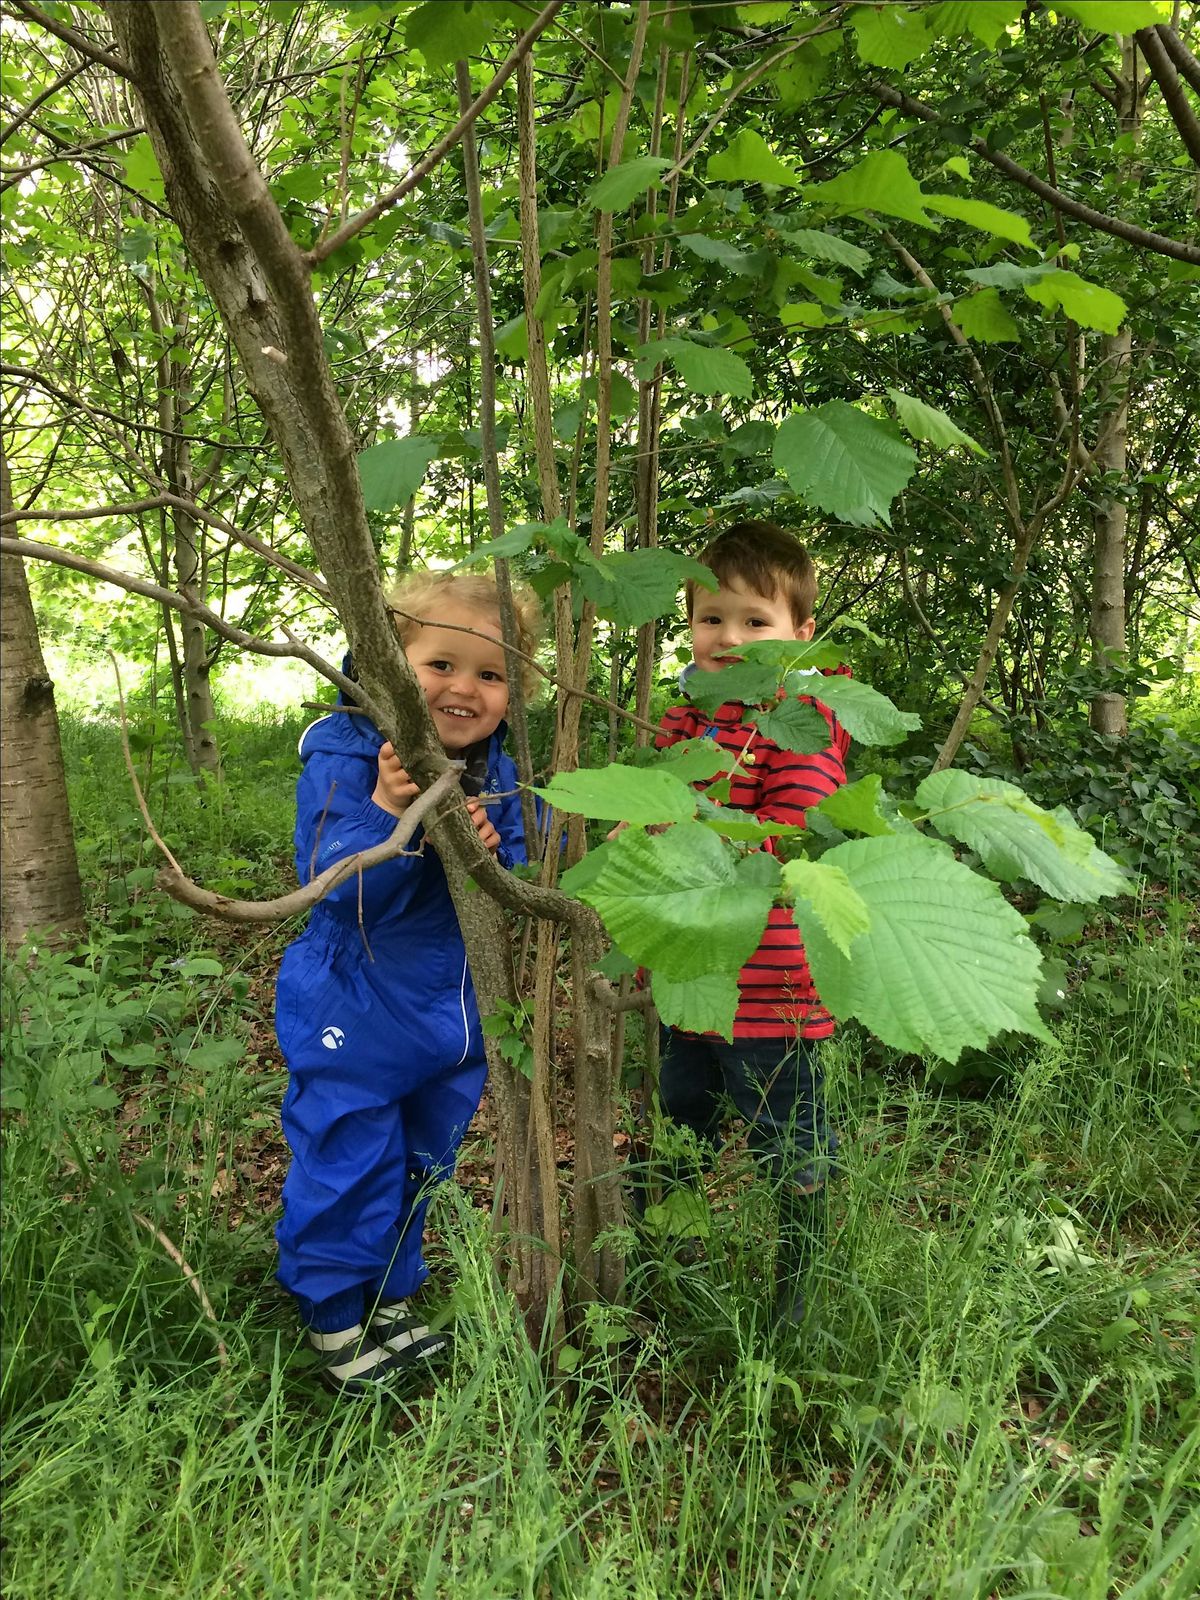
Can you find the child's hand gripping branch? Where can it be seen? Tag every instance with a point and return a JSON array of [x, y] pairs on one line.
[[395, 791]]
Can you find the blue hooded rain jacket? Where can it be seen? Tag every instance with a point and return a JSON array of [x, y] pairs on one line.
[[384, 1047]]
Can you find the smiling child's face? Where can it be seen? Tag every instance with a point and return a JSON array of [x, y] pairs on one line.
[[464, 675], [735, 615]]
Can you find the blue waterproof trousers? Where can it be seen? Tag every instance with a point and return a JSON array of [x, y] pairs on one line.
[[385, 1078]]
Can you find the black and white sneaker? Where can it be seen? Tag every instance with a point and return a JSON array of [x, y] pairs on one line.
[[404, 1335], [353, 1362]]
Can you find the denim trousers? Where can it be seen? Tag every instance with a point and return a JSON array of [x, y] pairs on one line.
[[775, 1085]]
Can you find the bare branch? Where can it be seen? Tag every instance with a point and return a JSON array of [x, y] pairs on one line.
[[322, 251], [76, 40], [32, 550], [1128, 231], [173, 882]]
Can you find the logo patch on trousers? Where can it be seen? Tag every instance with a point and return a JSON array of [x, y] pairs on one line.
[[333, 1038]]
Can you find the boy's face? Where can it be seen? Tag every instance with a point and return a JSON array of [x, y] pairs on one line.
[[735, 615], [464, 675]]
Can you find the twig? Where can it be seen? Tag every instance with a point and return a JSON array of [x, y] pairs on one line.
[[133, 777], [190, 1277], [425, 166], [77, 40]]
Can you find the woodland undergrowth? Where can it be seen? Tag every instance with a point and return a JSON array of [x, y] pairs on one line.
[[996, 1393]]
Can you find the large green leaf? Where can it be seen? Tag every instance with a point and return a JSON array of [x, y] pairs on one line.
[[926, 422], [890, 36], [446, 31], [824, 892], [634, 586], [979, 214], [945, 963], [743, 827], [391, 472], [880, 182], [621, 186], [855, 807], [986, 19], [1116, 16], [824, 246], [706, 1004], [985, 317], [694, 760], [621, 794], [719, 250], [1017, 839], [750, 159], [866, 715], [844, 462], [794, 726], [681, 902], [1089, 304], [707, 369]]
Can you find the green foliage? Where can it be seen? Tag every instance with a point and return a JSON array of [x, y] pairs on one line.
[[844, 461]]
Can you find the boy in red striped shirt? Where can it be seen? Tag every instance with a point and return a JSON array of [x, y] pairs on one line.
[[770, 1072]]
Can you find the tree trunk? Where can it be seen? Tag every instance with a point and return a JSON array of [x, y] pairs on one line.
[[41, 891]]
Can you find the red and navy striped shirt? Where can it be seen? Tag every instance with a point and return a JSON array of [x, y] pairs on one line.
[[776, 997]]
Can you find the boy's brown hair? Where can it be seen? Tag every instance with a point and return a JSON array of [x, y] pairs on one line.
[[764, 558], [418, 596]]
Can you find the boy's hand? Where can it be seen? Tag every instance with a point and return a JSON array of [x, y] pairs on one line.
[[488, 837], [395, 790], [620, 828]]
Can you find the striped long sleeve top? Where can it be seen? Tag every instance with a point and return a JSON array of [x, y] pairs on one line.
[[776, 997]]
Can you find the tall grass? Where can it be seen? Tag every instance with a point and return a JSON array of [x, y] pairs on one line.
[[995, 1395]]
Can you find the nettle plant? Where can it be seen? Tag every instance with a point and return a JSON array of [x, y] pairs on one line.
[[902, 932]]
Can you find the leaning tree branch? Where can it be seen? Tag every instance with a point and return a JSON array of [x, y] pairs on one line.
[[180, 887], [76, 40], [32, 550], [178, 502], [1162, 68], [322, 251], [1158, 242]]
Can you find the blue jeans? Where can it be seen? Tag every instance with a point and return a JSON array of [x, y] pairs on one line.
[[775, 1085]]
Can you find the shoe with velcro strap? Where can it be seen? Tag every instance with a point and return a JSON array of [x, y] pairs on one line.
[[396, 1328], [354, 1362]]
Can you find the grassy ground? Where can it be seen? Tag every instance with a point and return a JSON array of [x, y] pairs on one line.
[[997, 1394]]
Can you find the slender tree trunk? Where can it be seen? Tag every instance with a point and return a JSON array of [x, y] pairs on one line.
[[40, 876], [1108, 712]]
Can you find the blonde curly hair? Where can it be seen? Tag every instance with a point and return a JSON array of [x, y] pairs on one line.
[[418, 596]]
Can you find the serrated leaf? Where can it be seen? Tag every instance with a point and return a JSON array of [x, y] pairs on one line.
[[694, 760], [844, 462], [880, 182], [708, 369], [1089, 304], [866, 715], [855, 807], [743, 827], [945, 963], [926, 422], [706, 1004], [719, 250], [620, 186], [746, 683], [392, 472], [985, 317], [621, 794], [806, 314], [631, 587], [142, 171], [794, 726], [680, 902], [824, 893], [1116, 16], [1008, 275], [1017, 839], [446, 31], [890, 36], [803, 73], [748, 158], [986, 19], [824, 246], [979, 214]]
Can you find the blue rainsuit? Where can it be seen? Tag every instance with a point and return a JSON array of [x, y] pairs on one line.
[[384, 1047]]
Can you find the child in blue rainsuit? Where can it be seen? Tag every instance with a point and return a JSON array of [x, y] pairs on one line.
[[383, 1044]]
